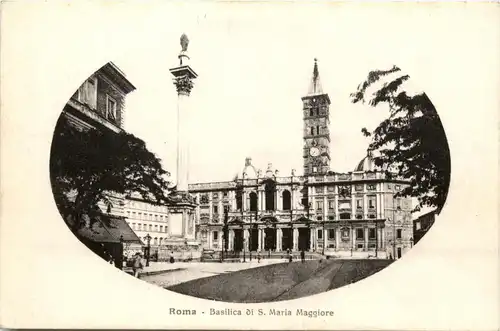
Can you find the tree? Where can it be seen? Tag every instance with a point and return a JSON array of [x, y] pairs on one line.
[[87, 164], [411, 142]]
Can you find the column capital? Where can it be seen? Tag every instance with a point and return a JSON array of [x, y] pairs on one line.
[[184, 85]]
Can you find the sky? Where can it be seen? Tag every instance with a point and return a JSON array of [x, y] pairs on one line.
[[252, 72]]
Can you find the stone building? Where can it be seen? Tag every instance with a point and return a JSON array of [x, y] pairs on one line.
[[99, 104], [341, 214], [422, 224]]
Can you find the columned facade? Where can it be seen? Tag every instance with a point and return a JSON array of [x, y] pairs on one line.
[[352, 214]]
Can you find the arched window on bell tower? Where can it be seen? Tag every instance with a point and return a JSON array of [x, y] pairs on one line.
[[287, 200]]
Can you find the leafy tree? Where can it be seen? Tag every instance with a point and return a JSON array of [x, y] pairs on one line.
[[87, 164], [411, 142]]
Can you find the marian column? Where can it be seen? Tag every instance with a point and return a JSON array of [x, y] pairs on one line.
[[182, 208], [183, 80]]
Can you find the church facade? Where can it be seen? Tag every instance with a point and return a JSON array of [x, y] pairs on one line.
[[339, 214]]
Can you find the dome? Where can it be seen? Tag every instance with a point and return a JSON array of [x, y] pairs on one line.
[[249, 170], [366, 164]]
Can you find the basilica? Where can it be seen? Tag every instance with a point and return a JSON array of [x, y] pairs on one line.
[[352, 214]]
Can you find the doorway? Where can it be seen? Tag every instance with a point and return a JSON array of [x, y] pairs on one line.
[[287, 239], [238, 240], [270, 240], [304, 239]]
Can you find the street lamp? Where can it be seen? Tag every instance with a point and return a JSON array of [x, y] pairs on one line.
[[120, 260], [394, 226], [148, 239], [224, 235]]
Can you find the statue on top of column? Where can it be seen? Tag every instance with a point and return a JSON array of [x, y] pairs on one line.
[[184, 42]]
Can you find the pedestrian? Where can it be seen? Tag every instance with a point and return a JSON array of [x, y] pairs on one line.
[[172, 260], [258, 256], [290, 256], [137, 266], [302, 256]]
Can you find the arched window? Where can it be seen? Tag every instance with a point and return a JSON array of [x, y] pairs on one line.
[[161, 239], [270, 190], [156, 241], [287, 200], [253, 201], [239, 199]]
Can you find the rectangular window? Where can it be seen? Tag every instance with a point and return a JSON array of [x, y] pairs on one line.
[[89, 96], [399, 233], [224, 194], [319, 205], [161, 228], [371, 234], [216, 235], [331, 234], [331, 188], [150, 227], [156, 228], [359, 204], [216, 209], [133, 226], [331, 204], [345, 233], [359, 234], [139, 215], [315, 169], [226, 208], [318, 189], [371, 187], [398, 203], [371, 202], [358, 187], [318, 130], [320, 234], [110, 108], [312, 130], [417, 225]]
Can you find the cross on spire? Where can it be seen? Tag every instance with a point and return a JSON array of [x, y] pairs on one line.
[[315, 87]]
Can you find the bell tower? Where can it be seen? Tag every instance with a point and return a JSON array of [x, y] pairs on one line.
[[316, 108]]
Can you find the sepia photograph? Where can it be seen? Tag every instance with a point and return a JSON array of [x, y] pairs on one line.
[[254, 232]]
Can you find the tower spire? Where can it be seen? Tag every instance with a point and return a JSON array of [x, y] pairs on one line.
[[315, 87]]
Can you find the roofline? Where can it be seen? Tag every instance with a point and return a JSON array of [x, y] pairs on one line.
[[119, 76]]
